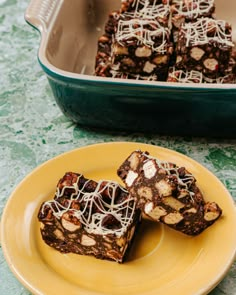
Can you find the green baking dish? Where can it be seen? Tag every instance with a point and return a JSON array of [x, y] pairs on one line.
[[69, 32]]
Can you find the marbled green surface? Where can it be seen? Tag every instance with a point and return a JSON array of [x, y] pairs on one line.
[[33, 130]]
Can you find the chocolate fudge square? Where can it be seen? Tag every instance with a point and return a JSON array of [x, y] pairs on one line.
[[205, 46], [167, 193], [142, 46], [89, 218]]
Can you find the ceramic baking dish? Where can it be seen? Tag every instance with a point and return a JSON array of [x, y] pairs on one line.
[[69, 32]]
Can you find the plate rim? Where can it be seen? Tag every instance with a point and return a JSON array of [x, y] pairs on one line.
[[214, 281]]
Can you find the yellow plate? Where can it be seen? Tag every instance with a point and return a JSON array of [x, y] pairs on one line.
[[162, 261]]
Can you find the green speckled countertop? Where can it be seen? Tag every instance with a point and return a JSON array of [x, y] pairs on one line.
[[33, 129]]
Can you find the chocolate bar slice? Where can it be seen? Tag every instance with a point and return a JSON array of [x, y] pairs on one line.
[[135, 48], [142, 46], [205, 46], [105, 68], [167, 193], [89, 218]]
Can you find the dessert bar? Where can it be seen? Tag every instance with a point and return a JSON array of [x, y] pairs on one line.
[[141, 46], [89, 218], [167, 193], [136, 44], [206, 46]]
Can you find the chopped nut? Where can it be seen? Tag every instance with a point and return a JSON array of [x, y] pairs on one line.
[[155, 213], [120, 50], [209, 216], [143, 51], [211, 64], [173, 203], [161, 59], [70, 222], [114, 254], [69, 225], [121, 241], [149, 67], [161, 171], [42, 225], [173, 218], [145, 192], [134, 161], [191, 210], [72, 236], [164, 189], [107, 245], [107, 239], [212, 211], [87, 241], [59, 234], [103, 39], [179, 58], [197, 53], [128, 62]]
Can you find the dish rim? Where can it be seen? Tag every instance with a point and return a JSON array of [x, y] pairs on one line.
[[53, 71], [60, 74]]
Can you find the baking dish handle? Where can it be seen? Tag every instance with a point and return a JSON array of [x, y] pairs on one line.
[[40, 13]]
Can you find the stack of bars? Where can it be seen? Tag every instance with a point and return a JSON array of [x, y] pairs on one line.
[[167, 40]]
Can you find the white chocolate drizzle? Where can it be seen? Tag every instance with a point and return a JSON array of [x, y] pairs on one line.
[[145, 32], [230, 78], [185, 76], [142, 4], [93, 222], [196, 33], [194, 8], [181, 76], [117, 74], [151, 12], [184, 183]]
